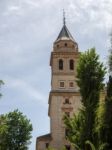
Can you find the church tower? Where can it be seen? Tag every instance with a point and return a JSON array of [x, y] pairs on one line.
[[64, 97]]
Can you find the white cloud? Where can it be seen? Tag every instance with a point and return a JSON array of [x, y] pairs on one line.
[[97, 13], [14, 8], [33, 3], [24, 89]]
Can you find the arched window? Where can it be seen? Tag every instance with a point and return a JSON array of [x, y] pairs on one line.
[[71, 64], [67, 101], [60, 64]]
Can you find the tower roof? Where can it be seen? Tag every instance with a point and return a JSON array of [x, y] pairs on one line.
[[64, 34]]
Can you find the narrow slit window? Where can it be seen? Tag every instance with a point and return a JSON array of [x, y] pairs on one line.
[[47, 145], [60, 64], [67, 147], [66, 45], [57, 46], [71, 64]]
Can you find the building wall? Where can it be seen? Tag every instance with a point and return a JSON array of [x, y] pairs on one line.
[[67, 79], [57, 112], [41, 145]]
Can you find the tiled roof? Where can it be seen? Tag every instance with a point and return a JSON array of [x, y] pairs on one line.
[[64, 34], [44, 137]]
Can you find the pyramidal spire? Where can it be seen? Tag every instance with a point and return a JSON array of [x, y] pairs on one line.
[[64, 33]]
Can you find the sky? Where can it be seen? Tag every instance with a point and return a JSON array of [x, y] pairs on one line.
[[28, 29]]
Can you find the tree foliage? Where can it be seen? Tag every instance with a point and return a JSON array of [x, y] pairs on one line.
[[75, 126], [110, 55], [103, 126], [90, 76], [15, 131]]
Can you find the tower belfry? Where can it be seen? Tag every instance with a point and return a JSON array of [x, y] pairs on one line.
[[64, 97]]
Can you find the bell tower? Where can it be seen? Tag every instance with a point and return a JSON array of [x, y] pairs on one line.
[[64, 97]]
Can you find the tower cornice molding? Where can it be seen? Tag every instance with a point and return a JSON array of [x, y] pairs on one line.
[[66, 52], [63, 73]]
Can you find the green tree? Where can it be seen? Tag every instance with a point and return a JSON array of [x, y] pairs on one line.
[[110, 55], [103, 125], [104, 112], [75, 127], [90, 76], [107, 136], [15, 131]]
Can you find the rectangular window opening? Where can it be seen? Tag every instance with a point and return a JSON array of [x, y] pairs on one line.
[[71, 84], [47, 145], [67, 147], [62, 85]]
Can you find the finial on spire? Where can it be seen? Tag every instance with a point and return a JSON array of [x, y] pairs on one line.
[[64, 19]]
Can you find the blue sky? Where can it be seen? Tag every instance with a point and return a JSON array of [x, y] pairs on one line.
[[28, 29]]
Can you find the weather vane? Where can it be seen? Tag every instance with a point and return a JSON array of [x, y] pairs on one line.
[[64, 19]]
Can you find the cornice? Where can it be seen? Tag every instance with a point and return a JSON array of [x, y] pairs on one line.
[[63, 73], [65, 53]]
